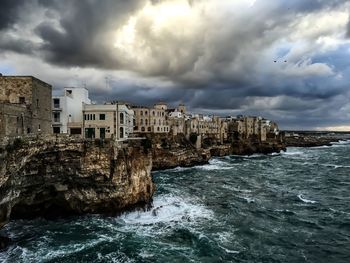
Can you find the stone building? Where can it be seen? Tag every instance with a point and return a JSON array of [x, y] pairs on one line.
[[25, 106], [203, 125], [151, 119], [67, 111], [243, 127], [108, 121]]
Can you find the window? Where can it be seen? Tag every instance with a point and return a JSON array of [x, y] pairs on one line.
[[102, 117], [141, 121], [56, 117], [146, 122], [146, 112], [22, 100], [93, 117], [37, 103], [157, 128], [121, 132], [153, 113], [143, 129], [56, 103], [141, 113], [121, 116], [149, 129]]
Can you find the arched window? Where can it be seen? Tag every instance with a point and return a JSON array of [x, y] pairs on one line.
[[146, 122], [160, 122], [121, 116], [149, 129], [141, 113], [142, 129], [141, 121], [157, 128], [121, 132]]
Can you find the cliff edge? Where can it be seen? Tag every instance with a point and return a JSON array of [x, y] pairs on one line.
[[53, 177]]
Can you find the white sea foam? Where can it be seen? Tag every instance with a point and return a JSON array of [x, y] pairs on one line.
[[302, 198], [166, 209], [342, 142], [292, 152], [215, 164]]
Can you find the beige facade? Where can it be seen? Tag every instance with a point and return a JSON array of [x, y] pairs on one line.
[[203, 125], [251, 127], [25, 106], [151, 120], [109, 121]]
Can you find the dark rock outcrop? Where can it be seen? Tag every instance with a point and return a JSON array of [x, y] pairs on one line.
[[53, 178], [314, 139], [176, 151]]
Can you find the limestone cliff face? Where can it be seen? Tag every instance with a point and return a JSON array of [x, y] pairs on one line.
[[170, 152], [70, 176], [173, 151]]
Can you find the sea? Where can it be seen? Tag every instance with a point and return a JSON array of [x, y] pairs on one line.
[[287, 207]]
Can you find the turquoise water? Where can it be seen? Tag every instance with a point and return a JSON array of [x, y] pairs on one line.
[[289, 207]]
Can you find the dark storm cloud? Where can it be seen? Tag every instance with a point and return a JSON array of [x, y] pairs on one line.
[[80, 41], [9, 12], [260, 61]]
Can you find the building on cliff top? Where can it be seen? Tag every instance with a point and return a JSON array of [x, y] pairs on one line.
[[151, 119], [25, 106], [108, 121], [67, 111]]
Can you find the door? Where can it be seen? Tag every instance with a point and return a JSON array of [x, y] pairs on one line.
[[102, 133], [90, 133]]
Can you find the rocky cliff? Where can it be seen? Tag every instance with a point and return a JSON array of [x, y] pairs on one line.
[[170, 152], [62, 176]]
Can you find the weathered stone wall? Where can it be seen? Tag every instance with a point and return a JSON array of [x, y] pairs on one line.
[[41, 107], [63, 176], [13, 87], [15, 119], [25, 95]]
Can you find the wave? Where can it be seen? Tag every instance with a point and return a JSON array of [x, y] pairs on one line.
[[302, 198], [292, 153], [215, 164], [166, 209], [342, 142]]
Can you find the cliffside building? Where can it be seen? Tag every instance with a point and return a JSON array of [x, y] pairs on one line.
[[67, 111], [108, 121], [151, 120], [25, 106], [244, 127]]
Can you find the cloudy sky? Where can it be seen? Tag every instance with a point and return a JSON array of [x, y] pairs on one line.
[[287, 60]]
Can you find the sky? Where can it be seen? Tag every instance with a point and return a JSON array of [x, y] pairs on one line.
[[286, 60]]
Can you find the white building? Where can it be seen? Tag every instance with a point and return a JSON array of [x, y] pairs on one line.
[[67, 111], [108, 121]]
